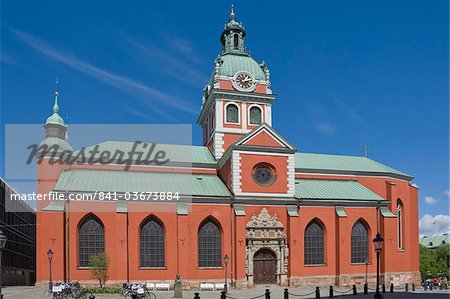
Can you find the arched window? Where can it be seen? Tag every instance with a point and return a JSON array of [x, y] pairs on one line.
[[236, 41], [314, 244], [255, 115], [152, 244], [360, 243], [399, 224], [91, 240], [232, 113], [209, 245]]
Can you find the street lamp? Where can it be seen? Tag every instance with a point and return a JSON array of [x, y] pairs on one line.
[[50, 257], [378, 243], [366, 286], [225, 261], [2, 246]]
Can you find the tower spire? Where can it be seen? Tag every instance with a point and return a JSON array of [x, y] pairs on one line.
[[55, 118], [55, 106], [232, 16], [233, 35]]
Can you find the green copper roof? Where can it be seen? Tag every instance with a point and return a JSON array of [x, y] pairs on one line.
[[333, 189], [337, 163], [90, 180], [233, 63], [55, 119], [340, 211], [387, 213], [175, 152], [435, 241], [61, 144]]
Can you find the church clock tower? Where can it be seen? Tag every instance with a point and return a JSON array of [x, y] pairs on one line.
[[238, 97]]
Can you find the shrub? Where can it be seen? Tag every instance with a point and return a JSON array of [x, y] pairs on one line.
[[109, 290], [100, 267]]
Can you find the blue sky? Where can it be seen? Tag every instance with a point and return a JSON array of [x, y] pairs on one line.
[[347, 73]]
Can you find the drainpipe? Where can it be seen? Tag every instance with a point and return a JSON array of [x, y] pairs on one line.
[[128, 252]]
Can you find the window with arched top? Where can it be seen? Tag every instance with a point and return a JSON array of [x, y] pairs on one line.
[[209, 245], [400, 217], [232, 113], [314, 244], [360, 243], [91, 240], [236, 41], [255, 115], [152, 244]]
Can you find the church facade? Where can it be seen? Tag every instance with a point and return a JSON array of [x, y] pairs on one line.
[[281, 216]]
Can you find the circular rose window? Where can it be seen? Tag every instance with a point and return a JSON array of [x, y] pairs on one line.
[[264, 174]]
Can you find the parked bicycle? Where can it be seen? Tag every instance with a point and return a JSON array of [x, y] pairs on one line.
[[63, 290], [136, 291]]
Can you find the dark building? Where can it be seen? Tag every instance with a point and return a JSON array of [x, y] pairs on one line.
[[18, 223]]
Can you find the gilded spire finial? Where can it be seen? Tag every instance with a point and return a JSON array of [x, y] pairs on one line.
[[232, 13], [55, 106]]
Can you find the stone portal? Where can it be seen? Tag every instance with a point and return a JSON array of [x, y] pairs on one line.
[[267, 251]]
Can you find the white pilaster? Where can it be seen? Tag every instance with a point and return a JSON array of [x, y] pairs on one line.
[[291, 174], [236, 173]]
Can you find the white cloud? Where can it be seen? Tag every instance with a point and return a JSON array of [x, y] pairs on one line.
[[447, 192], [153, 96], [326, 128], [6, 58], [431, 225], [350, 110], [431, 200], [174, 65]]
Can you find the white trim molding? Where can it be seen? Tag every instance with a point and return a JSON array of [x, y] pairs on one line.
[[291, 174], [262, 120], [236, 173], [219, 145], [226, 113]]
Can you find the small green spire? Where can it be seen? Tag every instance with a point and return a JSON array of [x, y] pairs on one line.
[[232, 16], [55, 118], [55, 106]]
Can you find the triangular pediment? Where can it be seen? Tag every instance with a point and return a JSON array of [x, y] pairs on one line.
[[264, 136]]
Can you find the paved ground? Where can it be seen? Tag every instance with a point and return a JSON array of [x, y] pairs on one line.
[[277, 293]]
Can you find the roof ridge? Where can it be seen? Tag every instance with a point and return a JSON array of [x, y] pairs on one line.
[[325, 154], [176, 144]]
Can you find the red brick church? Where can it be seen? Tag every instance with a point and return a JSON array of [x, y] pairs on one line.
[[282, 216]]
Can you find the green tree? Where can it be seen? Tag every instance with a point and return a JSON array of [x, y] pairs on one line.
[[433, 262], [100, 268]]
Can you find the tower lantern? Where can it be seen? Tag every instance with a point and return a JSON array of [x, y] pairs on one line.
[[238, 98]]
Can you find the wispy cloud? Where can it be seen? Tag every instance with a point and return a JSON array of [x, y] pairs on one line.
[[150, 111], [447, 193], [181, 45], [321, 119], [152, 95], [348, 109], [174, 65], [325, 128], [5, 58], [431, 225], [431, 200]]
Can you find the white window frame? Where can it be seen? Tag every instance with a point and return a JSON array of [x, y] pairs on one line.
[[226, 114], [399, 225], [248, 115]]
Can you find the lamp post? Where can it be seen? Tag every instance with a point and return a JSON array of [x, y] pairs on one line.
[[225, 261], [366, 286], [50, 257], [367, 265], [378, 243], [2, 246]]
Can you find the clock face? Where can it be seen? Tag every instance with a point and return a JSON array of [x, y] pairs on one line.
[[244, 81]]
